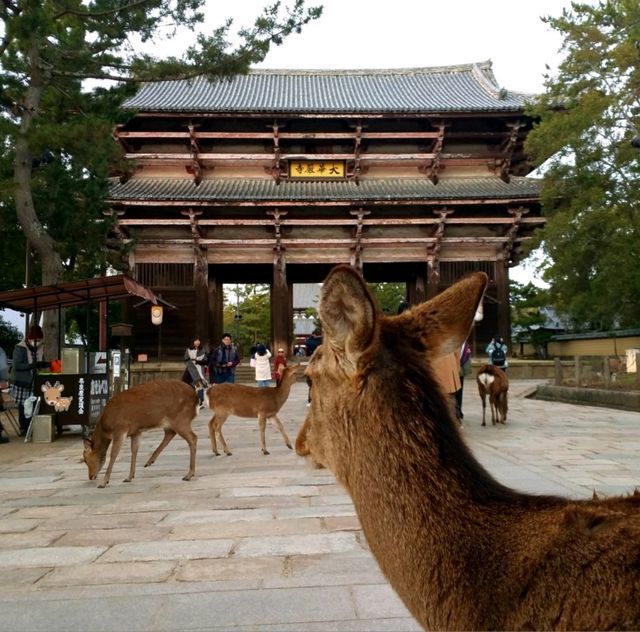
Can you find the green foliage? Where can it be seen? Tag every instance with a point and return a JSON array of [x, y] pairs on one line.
[[254, 324], [9, 336], [526, 301], [389, 296], [55, 128], [591, 190]]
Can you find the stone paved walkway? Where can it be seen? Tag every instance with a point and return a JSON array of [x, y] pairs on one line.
[[253, 542]]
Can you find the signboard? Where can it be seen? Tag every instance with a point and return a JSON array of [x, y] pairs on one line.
[[72, 399], [317, 169]]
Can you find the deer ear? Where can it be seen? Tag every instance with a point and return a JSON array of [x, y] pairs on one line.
[[445, 320], [348, 314]]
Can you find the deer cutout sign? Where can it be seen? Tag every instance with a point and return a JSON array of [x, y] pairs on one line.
[[463, 551], [52, 396]]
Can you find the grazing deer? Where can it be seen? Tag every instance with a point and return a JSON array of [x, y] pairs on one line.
[[463, 551], [249, 401], [493, 381], [168, 404]]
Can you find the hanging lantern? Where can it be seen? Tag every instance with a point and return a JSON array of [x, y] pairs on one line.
[[156, 314]]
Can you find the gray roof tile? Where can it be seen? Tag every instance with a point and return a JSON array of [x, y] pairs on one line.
[[470, 87], [265, 189]]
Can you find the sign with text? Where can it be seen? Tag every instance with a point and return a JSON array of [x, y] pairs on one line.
[[73, 399], [317, 169]]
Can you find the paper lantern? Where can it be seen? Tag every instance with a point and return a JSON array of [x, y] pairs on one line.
[[156, 314]]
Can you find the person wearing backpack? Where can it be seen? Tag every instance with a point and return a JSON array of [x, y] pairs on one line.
[[497, 352]]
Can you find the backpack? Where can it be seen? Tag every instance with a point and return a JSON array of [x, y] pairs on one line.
[[498, 356]]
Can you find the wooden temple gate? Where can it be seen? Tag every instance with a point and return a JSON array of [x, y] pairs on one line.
[[275, 177]]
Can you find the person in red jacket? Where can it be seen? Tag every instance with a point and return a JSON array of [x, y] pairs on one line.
[[279, 364]]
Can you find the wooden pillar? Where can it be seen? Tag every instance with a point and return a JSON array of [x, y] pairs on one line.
[[502, 294], [216, 311], [201, 290], [103, 314], [416, 288], [433, 277], [281, 308]]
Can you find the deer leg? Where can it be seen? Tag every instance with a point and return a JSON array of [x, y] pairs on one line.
[[115, 449], [218, 429], [135, 444], [212, 436], [282, 431], [494, 410], [192, 439], [168, 435], [262, 423], [484, 408]]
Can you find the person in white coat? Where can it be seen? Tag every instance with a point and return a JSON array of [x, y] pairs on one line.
[[262, 364]]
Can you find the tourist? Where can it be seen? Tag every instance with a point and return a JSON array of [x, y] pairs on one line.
[[222, 362]]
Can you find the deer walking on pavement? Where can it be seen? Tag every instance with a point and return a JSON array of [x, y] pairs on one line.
[[249, 401], [168, 404], [493, 381], [463, 551]]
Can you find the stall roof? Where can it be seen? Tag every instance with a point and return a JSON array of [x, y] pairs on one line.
[[45, 297]]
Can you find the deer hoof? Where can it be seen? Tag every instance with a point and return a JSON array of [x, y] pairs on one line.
[[289, 446], [228, 453], [216, 454], [127, 480], [483, 424], [102, 485], [188, 477], [265, 451]]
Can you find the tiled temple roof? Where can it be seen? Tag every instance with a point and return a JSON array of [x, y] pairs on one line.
[[470, 87], [266, 189]]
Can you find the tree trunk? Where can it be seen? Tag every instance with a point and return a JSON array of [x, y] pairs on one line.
[[37, 236]]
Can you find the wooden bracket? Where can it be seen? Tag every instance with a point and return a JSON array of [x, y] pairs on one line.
[[433, 250], [432, 167], [512, 233], [354, 167], [195, 167], [279, 261], [508, 148], [356, 247], [276, 167]]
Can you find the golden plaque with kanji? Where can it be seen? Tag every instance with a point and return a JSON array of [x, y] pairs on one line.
[[317, 169]]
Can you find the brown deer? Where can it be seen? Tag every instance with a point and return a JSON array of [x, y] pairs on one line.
[[249, 401], [493, 381], [168, 404], [463, 551]]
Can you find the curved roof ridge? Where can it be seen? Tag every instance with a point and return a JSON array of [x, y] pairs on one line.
[[484, 66]]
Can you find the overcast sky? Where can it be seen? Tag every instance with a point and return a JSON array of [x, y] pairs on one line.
[[355, 34]]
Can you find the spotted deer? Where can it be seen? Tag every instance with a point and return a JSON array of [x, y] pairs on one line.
[[493, 382], [168, 404], [463, 551]]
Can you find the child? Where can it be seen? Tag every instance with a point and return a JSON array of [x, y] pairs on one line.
[[263, 366], [280, 363]]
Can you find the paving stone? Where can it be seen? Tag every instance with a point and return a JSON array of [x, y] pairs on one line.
[[225, 569], [209, 554], [214, 516], [168, 550], [296, 544], [109, 537], [16, 525], [50, 556], [32, 538], [106, 573], [378, 601], [247, 528]]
